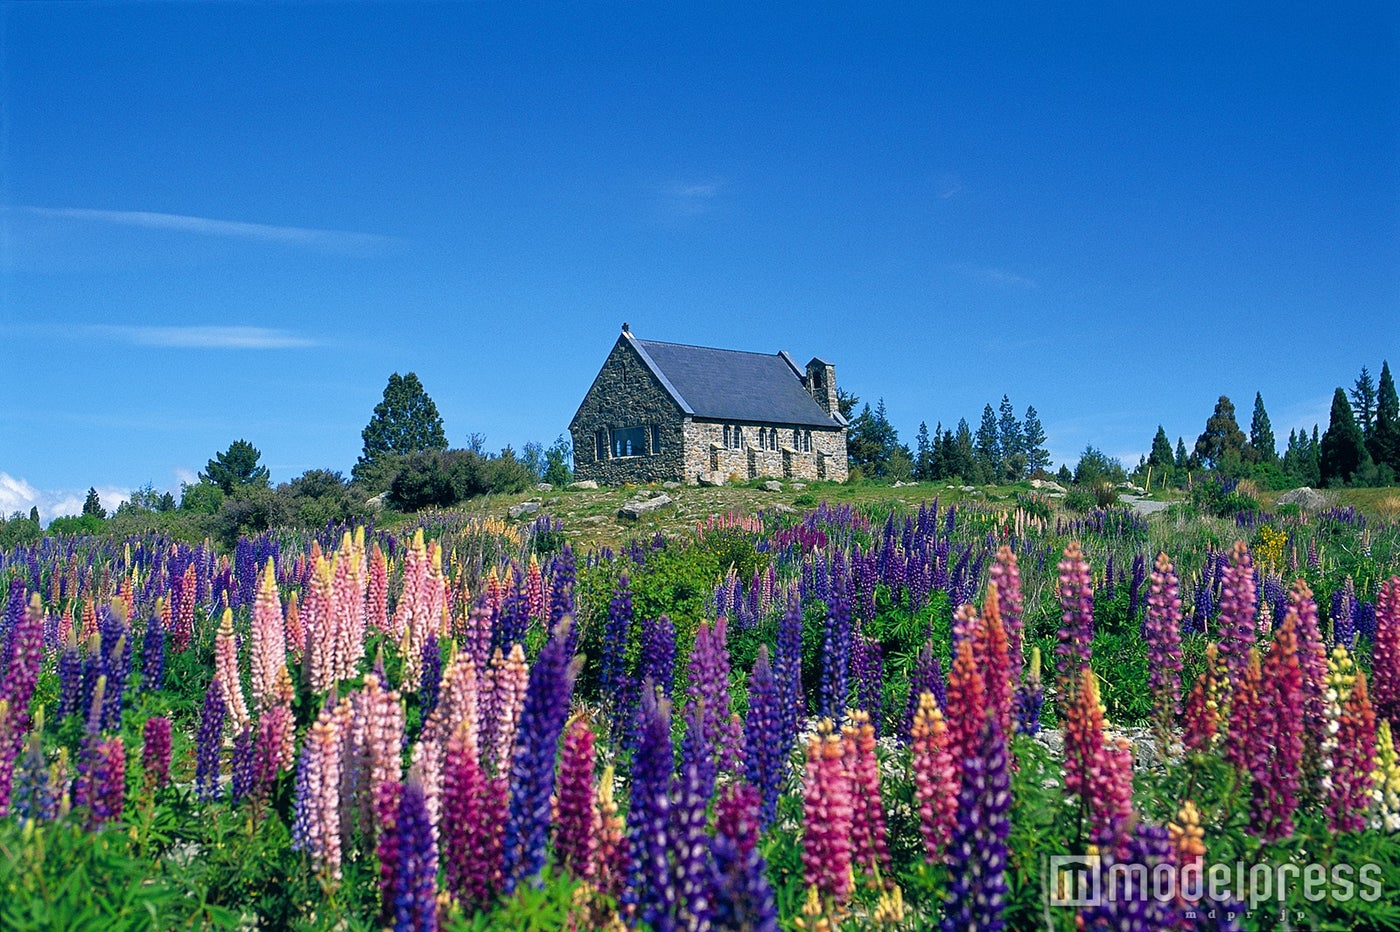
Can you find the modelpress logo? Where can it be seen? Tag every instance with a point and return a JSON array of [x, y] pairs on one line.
[[1083, 880]]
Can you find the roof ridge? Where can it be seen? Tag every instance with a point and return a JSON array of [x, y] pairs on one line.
[[713, 349]]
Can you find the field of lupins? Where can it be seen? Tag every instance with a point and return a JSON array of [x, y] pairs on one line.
[[823, 721]]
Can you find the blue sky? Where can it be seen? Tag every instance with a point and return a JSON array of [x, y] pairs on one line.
[[236, 220]]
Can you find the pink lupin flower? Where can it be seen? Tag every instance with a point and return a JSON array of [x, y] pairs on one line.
[[827, 816], [1006, 580], [318, 619], [1242, 737], [509, 678], [295, 634], [935, 778], [317, 827], [379, 730], [1237, 608], [347, 611], [377, 592], [268, 653], [575, 818], [495, 592], [992, 653], [459, 699], [534, 589], [611, 859], [226, 670], [967, 702], [1076, 634], [871, 839], [155, 751], [182, 622]]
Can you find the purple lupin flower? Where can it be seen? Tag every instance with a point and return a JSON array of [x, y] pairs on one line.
[[649, 817], [1344, 615], [1076, 634], [1161, 629], [208, 741], [743, 898], [153, 654], [766, 747], [430, 681], [1237, 610], [14, 612], [24, 655], [70, 680], [561, 596], [868, 669], [689, 846], [33, 797], [1128, 901], [787, 672], [408, 856], [616, 633], [658, 660], [241, 765], [537, 744], [1030, 697], [155, 751], [115, 660], [708, 692], [926, 676], [977, 855], [836, 655]]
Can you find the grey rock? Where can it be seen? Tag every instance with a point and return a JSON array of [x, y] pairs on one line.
[[1047, 484], [799, 486], [711, 479], [543, 487], [583, 484], [1306, 498], [670, 484], [379, 502], [523, 509], [772, 485], [635, 509]]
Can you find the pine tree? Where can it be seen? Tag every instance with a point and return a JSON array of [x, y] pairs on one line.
[[405, 422], [1343, 451], [92, 505], [236, 468], [923, 454], [988, 449], [1222, 441], [1033, 443], [1363, 403], [1011, 453], [1261, 432], [964, 453], [1161, 455], [1385, 439], [1182, 462]]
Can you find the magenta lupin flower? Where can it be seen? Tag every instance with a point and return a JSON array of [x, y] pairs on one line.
[[155, 751], [827, 816], [575, 817], [1312, 657], [1237, 608], [1277, 752], [871, 849], [467, 826], [1162, 631], [1076, 634], [317, 827], [1385, 658], [1006, 579]]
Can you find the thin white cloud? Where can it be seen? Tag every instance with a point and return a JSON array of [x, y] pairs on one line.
[[949, 186], [339, 241], [242, 338], [1001, 278], [690, 198], [18, 495], [186, 475]]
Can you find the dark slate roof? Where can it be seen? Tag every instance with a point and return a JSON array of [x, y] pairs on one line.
[[732, 385]]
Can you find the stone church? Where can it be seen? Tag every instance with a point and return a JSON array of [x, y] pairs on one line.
[[667, 411]]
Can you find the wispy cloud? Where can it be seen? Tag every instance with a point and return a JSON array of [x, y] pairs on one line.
[[1001, 278], [18, 495], [241, 338], [948, 186], [336, 241], [690, 198]]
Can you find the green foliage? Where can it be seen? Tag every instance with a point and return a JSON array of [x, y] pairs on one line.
[[873, 447], [77, 525], [1161, 455], [1222, 441], [406, 421], [236, 469], [1261, 433], [1080, 499], [1096, 466], [203, 498], [19, 530], [557, 471]]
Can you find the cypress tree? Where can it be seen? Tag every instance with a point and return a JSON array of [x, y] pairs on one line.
[[964, 457], [988, 448], [923, 454], [1343, 450], [1181, 461], [1261, 432], [1222, 440], [1385, 439], [1009, 442], [405, 421]]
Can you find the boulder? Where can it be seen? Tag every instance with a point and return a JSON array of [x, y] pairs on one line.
[[379, 502], [523, 509], [1305, 498], [638, 507], [711, 479], [772, 485], [799, 486], [670, 484], [583, 484], [1047, 484], [543, 487]]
